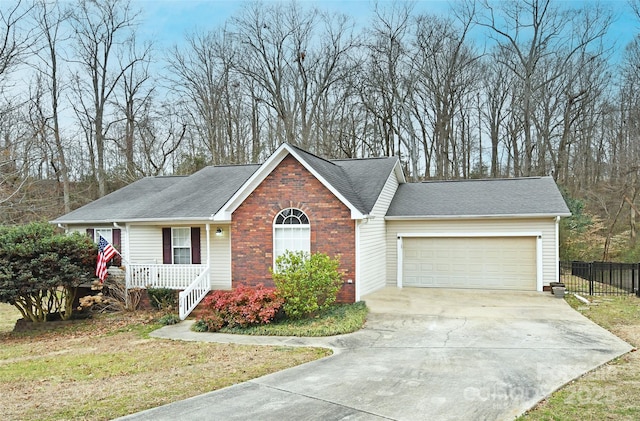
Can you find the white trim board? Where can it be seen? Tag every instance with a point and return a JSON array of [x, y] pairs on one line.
[[471, 234]]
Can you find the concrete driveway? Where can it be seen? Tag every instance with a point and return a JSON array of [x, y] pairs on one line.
[[425, 354]]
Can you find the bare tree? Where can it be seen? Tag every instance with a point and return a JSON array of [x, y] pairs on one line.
[[101, 29], [201, 73], [296, 58], [49, 19], [16, 39], [496, 86], [385, 81], [132, 99], [540, 40], [446, 74]]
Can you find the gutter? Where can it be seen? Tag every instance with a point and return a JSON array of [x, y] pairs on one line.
[[503, 216], [115, 221]]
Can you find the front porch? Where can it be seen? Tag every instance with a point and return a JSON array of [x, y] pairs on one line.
[[193, 281]]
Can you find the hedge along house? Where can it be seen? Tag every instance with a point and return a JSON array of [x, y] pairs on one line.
[[225, 225]]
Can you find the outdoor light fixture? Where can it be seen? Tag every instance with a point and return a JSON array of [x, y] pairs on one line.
[[219, 232]]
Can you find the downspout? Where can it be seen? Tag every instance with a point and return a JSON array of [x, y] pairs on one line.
[[399, 262], [357, 252]]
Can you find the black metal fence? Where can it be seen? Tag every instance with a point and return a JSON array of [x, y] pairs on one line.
[[601, 278]]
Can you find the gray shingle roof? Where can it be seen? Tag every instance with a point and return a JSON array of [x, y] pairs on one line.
[[194, 197], [202, 194], [368, 176], [359, 181], [495, 197]]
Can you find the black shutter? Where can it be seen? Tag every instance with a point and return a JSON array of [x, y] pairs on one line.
[[167, 258], [195, 246], [116, 236], [90, 233]]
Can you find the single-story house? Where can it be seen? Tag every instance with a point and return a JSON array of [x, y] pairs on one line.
[[225, 225]]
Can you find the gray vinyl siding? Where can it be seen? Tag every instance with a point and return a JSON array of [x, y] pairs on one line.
[[544, 225], [372, 251]]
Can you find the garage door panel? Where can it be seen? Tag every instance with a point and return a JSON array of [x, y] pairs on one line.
[[474, 262]]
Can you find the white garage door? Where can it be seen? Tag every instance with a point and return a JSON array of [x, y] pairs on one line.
[[470, 262]]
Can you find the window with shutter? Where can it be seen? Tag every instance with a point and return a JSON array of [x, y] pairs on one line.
[[181, 245]]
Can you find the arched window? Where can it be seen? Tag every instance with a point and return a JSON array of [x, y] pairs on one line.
[[291, 231]]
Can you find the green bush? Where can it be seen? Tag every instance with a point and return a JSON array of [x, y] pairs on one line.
[[163, 298], [40, 270], [307, 283], [169, 319], [200, 325]]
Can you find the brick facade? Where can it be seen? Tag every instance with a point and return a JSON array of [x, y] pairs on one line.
[[290, 185]]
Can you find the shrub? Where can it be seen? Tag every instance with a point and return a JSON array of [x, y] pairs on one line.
[[307, 283], [241, 307], [163, 298], [40, 271], [169, 319], [200, 326]]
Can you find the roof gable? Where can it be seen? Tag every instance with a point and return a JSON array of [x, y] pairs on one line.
[[355, 183]]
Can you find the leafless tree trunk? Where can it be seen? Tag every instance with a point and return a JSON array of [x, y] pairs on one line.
[[293, 59], [49, 19], [101, 30], [16, 39]]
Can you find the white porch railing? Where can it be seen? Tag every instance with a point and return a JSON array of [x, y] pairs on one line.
[[193, 294], [140, 275]]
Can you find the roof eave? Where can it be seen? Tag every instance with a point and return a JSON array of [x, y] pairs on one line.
[[203, 219], [494, 216]]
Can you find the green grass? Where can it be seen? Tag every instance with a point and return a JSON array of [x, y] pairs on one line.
[[338, 319], [107, 367], [609, 392]]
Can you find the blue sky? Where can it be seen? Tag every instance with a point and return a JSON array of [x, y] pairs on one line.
[[167, 21]]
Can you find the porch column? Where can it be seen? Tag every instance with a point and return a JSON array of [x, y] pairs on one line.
[[208, 227]]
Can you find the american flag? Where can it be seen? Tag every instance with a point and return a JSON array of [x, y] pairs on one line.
[[105, 253]]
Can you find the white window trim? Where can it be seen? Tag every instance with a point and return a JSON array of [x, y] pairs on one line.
[[173, 246], [97, 232], [288, 226]]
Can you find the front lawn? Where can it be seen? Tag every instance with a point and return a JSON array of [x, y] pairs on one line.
[[108, 367], [609, 392]]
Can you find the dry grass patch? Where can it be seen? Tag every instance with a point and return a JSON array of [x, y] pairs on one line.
[[8, 316], [609, 392], [108, 367]]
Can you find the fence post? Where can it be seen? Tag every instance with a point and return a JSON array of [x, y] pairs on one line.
[[637, 287], [590, 278]]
